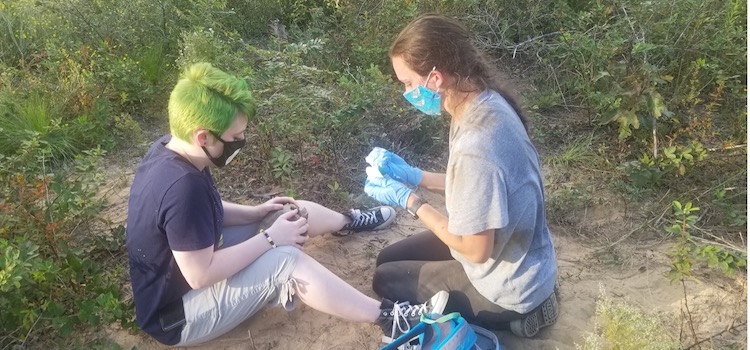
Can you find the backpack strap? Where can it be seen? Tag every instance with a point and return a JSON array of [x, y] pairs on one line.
[[406, 337], [426, 318]]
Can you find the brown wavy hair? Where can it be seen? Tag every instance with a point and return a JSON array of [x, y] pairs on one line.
[[433, 40]]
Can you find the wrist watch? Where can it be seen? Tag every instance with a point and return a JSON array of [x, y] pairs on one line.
[[414, 207]]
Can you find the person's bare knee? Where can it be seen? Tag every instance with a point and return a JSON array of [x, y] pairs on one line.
[[269, 219]]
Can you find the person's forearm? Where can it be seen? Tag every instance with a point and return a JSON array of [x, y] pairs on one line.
[[434, 182], [475, 248], [238, 214], [202, 269]]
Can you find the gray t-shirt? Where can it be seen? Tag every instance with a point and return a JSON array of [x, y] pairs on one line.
[[493, 181]]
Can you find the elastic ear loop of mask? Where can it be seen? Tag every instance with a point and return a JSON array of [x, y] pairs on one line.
[[428, 77]]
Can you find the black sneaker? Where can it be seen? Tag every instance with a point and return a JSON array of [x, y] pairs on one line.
[[543, 316], [397, 318], [371, 219]]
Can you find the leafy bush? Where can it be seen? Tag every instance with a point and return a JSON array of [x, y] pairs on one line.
[[687, 252], [23, 31], [221, 49], [51, 276], [37, 116], [675, 161], [651, 64], [620, 325]]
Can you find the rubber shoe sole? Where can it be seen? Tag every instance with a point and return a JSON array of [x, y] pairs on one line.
[[544, 315], [389, 215]]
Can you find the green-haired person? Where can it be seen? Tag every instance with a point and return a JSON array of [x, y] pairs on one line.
[[493, 251], [200, 266]]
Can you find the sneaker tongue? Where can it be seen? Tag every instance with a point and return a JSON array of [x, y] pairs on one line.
[[360, 218]]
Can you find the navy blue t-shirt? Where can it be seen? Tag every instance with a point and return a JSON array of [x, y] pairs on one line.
[[172, 206]]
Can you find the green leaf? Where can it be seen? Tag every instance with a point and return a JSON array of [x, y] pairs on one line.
[[677, 205], [65, 325], [674, 229], [627, 119], [600, 75], [656, 104]]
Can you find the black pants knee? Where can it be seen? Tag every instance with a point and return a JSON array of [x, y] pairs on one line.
[[417, 267]]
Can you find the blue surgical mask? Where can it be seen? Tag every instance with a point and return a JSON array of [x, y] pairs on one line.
[[424, 99]]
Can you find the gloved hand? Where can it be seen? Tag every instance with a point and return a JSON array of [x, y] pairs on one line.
[[395, 167], [387, 191]]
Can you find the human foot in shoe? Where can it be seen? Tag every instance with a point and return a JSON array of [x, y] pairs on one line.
[[371, 219], [397, 318], [543, 316]]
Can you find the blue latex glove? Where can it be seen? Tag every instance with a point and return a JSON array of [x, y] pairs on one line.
[[387, 191], [395, 167]]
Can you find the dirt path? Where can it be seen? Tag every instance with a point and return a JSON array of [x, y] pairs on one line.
[[636, 274]]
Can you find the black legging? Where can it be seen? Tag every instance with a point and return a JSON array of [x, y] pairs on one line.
[[417, 267]]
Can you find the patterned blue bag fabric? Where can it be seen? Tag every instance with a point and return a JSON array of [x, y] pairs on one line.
[[445, 332]]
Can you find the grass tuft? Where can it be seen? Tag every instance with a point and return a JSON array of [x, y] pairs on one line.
[[623, 326]]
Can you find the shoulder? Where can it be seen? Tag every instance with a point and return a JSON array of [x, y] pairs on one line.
[[163, 171], [492, 111]]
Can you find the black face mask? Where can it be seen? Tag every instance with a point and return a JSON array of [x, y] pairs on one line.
[[231, 148]]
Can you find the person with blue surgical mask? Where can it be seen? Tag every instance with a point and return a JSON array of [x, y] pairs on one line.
[[493, 252]]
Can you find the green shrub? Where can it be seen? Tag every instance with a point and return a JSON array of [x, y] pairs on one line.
[[650, 65], [565, 204], [51, 275], [671, 162], [221, 49], [154, 63], [36, 116], [688, 253], [622, 326], [24, 27]]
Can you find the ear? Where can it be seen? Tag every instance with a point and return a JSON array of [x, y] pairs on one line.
[[200, 137], [438, 79]]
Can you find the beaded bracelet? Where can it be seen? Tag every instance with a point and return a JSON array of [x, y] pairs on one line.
[[269, 239]]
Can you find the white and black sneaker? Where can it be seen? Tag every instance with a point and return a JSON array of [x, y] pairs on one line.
[[397, 318], [371, 219]]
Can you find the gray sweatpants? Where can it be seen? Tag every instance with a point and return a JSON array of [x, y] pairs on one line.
[[217, 309]]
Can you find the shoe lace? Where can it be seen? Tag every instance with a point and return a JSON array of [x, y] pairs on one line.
[[402, 312], [360, 218]]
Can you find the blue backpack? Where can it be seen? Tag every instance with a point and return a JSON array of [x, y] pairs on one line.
[[446, 332]]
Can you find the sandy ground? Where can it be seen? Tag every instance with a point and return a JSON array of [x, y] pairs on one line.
[[629, 271]]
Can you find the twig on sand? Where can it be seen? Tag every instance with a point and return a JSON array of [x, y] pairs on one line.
[[252, 342], [730, 328], [624, 237], [687, 310], [726, 148]]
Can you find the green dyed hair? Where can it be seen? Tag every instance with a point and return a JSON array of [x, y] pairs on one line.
[[207, 98]]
